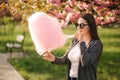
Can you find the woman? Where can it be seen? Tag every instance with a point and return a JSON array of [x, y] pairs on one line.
[[83, 55]]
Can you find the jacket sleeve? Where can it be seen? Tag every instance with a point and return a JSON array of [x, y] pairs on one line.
[[61, 60], [89, 57]]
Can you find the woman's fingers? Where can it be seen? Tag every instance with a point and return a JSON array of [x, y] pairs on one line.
[[48, 56], [78, 36]]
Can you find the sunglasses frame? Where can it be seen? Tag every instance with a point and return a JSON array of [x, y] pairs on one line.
[[81, 25]]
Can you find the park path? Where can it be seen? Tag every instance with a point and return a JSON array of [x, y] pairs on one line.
[[7, 71]]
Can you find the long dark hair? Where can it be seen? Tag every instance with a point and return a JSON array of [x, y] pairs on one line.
[[91, 22]]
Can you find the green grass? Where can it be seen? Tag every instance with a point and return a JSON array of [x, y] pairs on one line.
[[34, 68], [110, 60]]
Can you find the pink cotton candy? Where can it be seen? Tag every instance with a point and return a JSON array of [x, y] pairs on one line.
[[45, 32]]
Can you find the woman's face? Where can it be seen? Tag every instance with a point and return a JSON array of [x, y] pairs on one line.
[[82, 26]]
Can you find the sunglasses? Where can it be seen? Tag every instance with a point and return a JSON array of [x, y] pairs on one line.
[[81, 25]]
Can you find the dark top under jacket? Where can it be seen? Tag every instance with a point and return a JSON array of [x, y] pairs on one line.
[[89, 59]]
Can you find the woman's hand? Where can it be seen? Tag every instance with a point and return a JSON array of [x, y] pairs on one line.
[[78, 36], [49, 57]]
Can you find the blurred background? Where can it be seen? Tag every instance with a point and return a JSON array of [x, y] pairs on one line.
[[13, 21]]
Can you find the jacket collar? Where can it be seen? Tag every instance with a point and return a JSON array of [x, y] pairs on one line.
[[75, 41]]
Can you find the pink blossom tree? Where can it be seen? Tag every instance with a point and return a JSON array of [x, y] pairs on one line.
[[105, 11], [68, 11]]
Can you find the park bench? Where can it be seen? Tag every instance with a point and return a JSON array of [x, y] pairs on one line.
[[17, 44]]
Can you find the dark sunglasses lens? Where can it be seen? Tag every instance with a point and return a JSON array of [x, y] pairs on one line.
[[81, 26]]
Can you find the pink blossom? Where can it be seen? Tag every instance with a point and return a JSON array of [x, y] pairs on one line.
[[117, 11], [97, 8], [53, 12], [102, 13], [80, 6], [98, 20], [119, 6], [68, 17], [59, 16], [71, 2], [54, 2], [68, 9], [86, 6], [63, 23], [103, 2], [75, 17], [64, 12], [56, 14], [72, 17], [109, 20]]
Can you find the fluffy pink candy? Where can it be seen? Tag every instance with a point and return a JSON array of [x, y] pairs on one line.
[[45, 32]]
